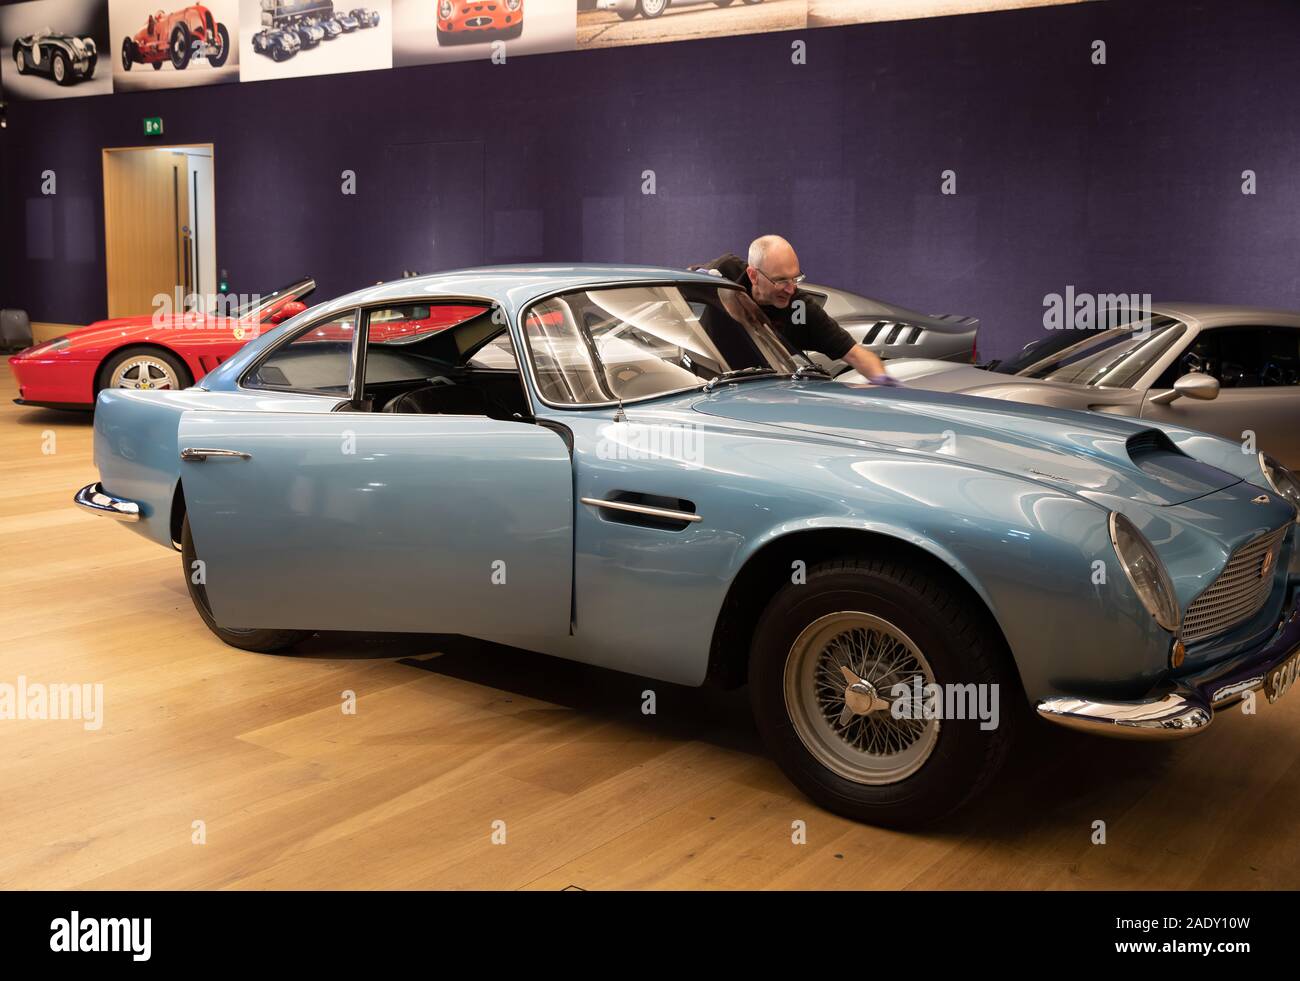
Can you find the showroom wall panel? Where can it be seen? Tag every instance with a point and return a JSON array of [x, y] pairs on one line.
[[1122, 177]]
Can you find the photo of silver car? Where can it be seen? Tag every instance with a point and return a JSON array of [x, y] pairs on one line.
[[1232, 371]]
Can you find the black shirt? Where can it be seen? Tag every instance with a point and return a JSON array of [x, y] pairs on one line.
[[818, 332]]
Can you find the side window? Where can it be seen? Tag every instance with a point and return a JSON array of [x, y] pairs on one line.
[[413, 322], [317, 360], [1241, 357], [561, 358], [1281, 366], [498, 354]]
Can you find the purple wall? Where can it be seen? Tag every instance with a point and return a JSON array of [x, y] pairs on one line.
[[1117, 178]]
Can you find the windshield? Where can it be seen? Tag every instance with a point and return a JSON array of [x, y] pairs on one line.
[[258, 303], [1112, 358], [634, 342]]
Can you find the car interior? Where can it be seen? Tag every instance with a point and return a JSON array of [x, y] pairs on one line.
[[447, 359]]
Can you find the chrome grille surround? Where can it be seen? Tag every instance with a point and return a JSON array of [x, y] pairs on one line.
[[1238, 592]]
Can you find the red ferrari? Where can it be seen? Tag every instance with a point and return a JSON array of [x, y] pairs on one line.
[[176, 351], [173, 351]]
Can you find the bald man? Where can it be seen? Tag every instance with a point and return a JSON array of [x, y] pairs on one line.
[[772, 276]]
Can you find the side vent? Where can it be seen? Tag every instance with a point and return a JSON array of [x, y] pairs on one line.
[[646, 510]]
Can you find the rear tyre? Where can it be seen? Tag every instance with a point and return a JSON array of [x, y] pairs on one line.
[[823, 665], [20, 60], [59, 67], [259, 641], [651, 9]]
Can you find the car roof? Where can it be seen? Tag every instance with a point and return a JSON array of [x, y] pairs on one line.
[[1214, 314], [513, 286]]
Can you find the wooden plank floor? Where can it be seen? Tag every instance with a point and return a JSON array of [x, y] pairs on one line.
[[450, 737]]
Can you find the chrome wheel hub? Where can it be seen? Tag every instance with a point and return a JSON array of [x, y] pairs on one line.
[[145, 373], [839, 678]]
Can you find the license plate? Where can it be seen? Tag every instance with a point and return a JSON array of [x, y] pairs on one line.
[[1282, 677]]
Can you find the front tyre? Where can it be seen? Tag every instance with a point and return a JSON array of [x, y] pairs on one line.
[[260, 641], [825, 660], [181, 47]]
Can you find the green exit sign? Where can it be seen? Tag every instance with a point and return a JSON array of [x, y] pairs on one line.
[[153, 126]]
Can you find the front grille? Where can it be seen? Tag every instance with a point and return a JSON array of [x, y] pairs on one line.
[[1238, 593]]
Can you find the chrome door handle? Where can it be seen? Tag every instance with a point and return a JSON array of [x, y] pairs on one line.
[[189, 455]]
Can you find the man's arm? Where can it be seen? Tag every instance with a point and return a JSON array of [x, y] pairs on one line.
[[871, 367]]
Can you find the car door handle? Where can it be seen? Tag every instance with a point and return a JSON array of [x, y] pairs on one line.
[[191, 455]]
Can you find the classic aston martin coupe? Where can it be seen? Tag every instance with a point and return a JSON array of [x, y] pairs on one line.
[[599, 463]]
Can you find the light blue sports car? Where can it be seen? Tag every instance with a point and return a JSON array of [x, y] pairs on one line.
[[619, 466]]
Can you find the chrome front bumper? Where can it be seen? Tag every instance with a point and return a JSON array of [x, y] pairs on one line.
[[92, 498], [1189, 705]]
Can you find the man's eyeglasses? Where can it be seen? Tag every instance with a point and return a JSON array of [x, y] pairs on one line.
[[783, 281]]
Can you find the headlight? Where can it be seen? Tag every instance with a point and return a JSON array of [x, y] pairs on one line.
[[1282, 480], [1145, 571], [444, 9], [513, 4]]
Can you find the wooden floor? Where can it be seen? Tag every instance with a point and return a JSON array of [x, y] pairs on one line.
[[449, 738]]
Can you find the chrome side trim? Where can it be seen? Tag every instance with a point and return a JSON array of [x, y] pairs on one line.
[[192, 455], [92, 498], [642, 509], [1175, 715]]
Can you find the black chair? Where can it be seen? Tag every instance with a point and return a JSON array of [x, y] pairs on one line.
[[15, 330]]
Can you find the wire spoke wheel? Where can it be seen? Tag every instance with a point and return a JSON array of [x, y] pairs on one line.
[[839, 678]]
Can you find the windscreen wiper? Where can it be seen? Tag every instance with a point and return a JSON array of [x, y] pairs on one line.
[[812, 366], [738, 373]]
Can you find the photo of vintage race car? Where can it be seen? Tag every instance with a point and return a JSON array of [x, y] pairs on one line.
[[479, 20], [627, 9], [178, 37], [65, 58], [310, 33], [346, 21], [278, 44], [650, 471]]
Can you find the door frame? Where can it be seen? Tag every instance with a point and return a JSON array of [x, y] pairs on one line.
[[104, 154]]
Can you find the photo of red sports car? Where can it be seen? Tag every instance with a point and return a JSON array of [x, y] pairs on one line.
[[178, 37], [479, 20]]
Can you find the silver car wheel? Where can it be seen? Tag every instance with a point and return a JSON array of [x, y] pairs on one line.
[[652, 8], [145, 373], [58, 69], [838, 677]]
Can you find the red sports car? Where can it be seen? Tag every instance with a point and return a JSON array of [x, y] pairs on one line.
[[177, 350], [173, 351], [479, 20]]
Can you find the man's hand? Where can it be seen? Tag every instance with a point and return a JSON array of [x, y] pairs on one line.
[[742, 308], [869, 366]]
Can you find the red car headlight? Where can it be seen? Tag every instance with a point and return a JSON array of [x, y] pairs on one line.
[[444, 9], [49, 347]]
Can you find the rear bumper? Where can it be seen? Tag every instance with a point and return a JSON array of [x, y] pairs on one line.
[[1188, 705], [93, 498]]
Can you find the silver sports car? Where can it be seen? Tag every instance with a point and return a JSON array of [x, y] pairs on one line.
[[1229, 370], [895, 332]]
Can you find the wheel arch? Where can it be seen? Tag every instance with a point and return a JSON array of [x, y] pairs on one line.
[[769, 567]]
